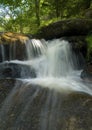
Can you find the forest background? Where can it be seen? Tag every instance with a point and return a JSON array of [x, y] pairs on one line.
[[27, 16]]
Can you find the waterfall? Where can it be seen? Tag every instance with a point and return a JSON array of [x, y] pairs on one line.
[[57, 61], [35, 48], [45, 101], [27, 50], [52, 63], [12, 51]]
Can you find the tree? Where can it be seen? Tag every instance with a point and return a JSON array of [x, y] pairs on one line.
[[37, 11], [29, 15]]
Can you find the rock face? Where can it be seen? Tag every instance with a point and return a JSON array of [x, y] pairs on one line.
[[87, 73], [10, 38], [31, 107], [14, 70], [72, 27], [79, 47], [12, 46]]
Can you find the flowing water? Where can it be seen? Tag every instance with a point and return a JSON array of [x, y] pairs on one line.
[[55, 65], [35, 103]]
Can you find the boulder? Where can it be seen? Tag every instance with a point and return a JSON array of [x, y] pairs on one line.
[[14, 70], [71, 27]]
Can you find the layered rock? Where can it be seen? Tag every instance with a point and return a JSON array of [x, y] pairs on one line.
[[12, 46]]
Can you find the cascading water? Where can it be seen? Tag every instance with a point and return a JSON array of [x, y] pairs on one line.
[[29, 49], [34, 48], [12, 51], [57, 61], [57, 67], [37, 103]]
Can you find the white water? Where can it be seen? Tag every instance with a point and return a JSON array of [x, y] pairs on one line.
[[28, 106], [57, 61], [34, 48], [57, 67]]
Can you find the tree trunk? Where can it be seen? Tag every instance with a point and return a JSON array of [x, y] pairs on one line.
[[37, 11], [57, 8]]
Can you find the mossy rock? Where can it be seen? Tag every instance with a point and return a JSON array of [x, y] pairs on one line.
[[71, 27]]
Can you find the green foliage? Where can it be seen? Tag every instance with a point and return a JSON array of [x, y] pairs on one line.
[[29, 15], [89, 51]]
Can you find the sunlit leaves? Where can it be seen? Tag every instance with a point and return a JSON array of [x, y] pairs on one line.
[[32, 14]]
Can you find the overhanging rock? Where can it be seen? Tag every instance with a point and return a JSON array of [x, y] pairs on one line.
[[71, 27]]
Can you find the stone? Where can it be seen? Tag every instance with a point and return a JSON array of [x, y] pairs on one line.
[[12, 46], [15, 70], [32, 107], [71, 27], [6, 85]]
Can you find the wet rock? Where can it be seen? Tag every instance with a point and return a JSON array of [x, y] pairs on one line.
[[32, 107], [14, 70], [79, 48], [12, 51], [87, 73], [6, 85], [12, 46], [78, 43]]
